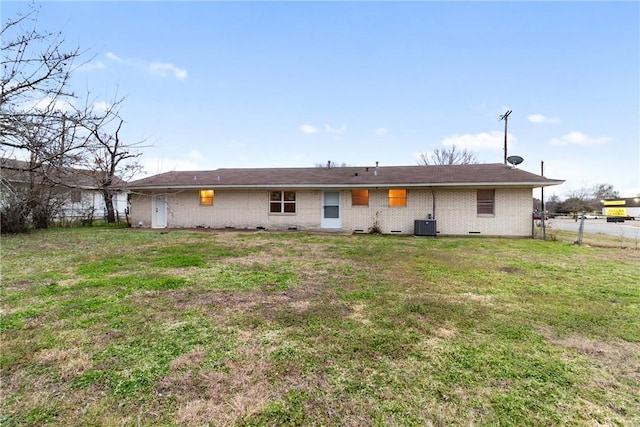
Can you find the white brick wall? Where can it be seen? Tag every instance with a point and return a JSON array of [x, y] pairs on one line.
[[455, 211], [140, 209]]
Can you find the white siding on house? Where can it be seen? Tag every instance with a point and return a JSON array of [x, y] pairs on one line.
[[91, 203], [140, 210]]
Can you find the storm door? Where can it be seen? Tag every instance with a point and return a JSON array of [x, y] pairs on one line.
[[331, 210], [159, 211]]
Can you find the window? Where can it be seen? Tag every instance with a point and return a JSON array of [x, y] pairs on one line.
[[359, 197], [282, 202], [398, 197], [486, 202], [206, 197], [76, 196]]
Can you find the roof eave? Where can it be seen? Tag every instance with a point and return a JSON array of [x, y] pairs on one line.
[[532, 184]]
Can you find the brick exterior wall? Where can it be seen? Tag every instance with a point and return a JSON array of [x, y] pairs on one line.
[[455, 211]]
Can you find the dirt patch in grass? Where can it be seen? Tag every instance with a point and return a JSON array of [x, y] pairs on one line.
[[610, 377], [620, 358], [223, 303], [69, 363], [205, 397], [358, 314], [20, 284], [443, 332]]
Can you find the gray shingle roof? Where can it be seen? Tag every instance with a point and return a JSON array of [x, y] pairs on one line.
[[492, 174], [20, 171]]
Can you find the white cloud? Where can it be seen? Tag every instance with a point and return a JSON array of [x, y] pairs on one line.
[[113, 57], [381, 131], [331, 129], [195, 155], [539, 118], [48, 104], [326, 129], [90, 66], [493, 140], [577, 138], [101, 106], [164, 69], [155, 165], [307, 129]]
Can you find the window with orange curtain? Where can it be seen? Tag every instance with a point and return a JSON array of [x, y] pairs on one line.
[[359, 197], [206, 197], [397, 197]]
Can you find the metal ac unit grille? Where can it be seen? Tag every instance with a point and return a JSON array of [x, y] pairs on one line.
[[424, 227]]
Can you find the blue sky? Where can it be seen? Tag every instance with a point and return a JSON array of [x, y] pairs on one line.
[[292, 84]]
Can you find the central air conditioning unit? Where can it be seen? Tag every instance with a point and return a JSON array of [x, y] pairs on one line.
[[424, 227]]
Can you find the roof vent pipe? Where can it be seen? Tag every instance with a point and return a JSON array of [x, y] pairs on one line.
[[375, 172], [328, 164]]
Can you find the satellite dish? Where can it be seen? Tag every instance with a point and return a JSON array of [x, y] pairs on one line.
[[515, 160]]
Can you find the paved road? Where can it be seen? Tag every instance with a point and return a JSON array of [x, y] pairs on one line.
[[627, 229]]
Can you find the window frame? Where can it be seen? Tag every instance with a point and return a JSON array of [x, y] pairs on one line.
[[486, 206], [285, 202], [363, 199], [204, 198], [393, 199], [76, 196]]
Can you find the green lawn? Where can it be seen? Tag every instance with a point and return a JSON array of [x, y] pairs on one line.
[[129, 327]]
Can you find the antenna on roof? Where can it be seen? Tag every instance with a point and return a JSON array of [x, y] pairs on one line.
[[505, 117]]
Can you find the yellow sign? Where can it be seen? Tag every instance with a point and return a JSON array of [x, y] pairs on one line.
[[615, 202], [615, 211]]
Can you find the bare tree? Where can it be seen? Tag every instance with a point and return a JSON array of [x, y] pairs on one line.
[[588, 198], [110, 160], [37, 120], [574, 204], [604, 191], [35, 75], [552, 204], [330, 164], [448, 156]]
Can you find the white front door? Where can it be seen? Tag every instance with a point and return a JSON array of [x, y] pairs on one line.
[[159, 214], [331, 210]]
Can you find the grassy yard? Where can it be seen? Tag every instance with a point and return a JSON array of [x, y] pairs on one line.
[[127, 327]]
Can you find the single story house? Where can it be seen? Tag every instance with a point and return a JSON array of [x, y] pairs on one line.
[[74, 193], [486, 199]]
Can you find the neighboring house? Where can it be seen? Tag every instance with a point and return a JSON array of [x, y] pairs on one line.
[[74, 189], [486, 199]]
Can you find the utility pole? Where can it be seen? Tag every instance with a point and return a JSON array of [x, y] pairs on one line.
[[542, 216], [505, 117]]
